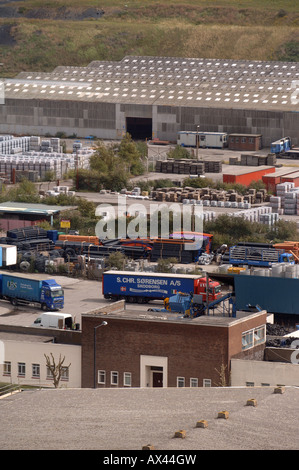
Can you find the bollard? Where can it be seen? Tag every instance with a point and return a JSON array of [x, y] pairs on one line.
[[148, 447], [223, 414], [202, 424], [251, 402]]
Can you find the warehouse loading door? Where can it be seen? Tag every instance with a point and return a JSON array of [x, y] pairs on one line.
[[139, 128]]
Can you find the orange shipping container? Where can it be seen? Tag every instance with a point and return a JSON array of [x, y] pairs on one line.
[[246, 175], [271, 180], [292, 178], [79, 238]]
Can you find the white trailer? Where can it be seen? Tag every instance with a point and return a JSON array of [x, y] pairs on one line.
[[202, 139]]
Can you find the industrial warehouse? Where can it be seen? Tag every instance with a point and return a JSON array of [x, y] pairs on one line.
[[155, 97]]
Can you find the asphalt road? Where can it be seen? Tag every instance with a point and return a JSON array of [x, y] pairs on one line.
[[80, 296]]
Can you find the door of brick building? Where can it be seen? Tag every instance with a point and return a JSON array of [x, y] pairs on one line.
[[157, 379]]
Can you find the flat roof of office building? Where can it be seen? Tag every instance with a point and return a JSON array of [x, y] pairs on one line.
[[126, 419]]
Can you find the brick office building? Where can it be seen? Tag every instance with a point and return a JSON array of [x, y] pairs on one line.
[[251, 142], [155, 349]]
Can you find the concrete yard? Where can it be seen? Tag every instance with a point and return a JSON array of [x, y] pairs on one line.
[[127, 419]]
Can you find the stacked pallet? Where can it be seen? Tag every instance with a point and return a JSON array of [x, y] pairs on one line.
[[183, 167], [213, 166], [12, 145], [194, 195], [34, 144], [254, 160], [42, 162]]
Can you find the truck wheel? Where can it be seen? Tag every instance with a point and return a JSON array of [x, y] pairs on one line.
[[14, 302], [44, 307]]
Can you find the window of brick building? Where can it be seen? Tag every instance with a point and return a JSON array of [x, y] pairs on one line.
[[193, 382], [180, 381], [101, 377], [127, 379], [207, 383], [114, 378]]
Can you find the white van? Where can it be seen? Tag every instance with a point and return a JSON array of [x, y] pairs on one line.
[[54, 320]]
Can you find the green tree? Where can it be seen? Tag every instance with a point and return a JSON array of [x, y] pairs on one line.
[[130, 154], [179, 152], [164, 265], [283, 230], [116, 260], [26, 191], [108, 170], [232, 230]]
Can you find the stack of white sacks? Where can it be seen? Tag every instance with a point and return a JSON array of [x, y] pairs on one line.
[[263, 215], [286, 200]]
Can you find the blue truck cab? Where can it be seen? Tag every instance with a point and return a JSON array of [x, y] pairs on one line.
[[51, 295]]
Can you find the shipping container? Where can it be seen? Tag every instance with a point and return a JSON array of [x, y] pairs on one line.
[[271, 180], [266, 292], [202, 139], [291, 178], [246, 175]]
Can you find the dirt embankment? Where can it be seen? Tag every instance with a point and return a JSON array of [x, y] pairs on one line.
[[6, 37], [62, 13]]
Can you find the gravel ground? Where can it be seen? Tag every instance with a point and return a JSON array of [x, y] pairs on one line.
[[127, 419]]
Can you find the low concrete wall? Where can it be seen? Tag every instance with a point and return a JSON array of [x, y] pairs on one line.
[[261, 373], [60, 336]]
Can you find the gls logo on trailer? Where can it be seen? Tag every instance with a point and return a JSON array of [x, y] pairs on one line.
[[12, 285]]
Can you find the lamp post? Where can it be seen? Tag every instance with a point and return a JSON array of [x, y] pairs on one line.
[[197, 142], [104, 323]]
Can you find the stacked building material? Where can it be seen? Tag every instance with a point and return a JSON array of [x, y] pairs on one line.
[[189, 195], [42, 162], [34, 144], [213, 166], [275, 204], [183, 167], [27, 239], [254, 160], [12, 145]]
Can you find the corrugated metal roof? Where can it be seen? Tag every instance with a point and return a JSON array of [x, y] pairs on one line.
[[29, 208], [167, 81]]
